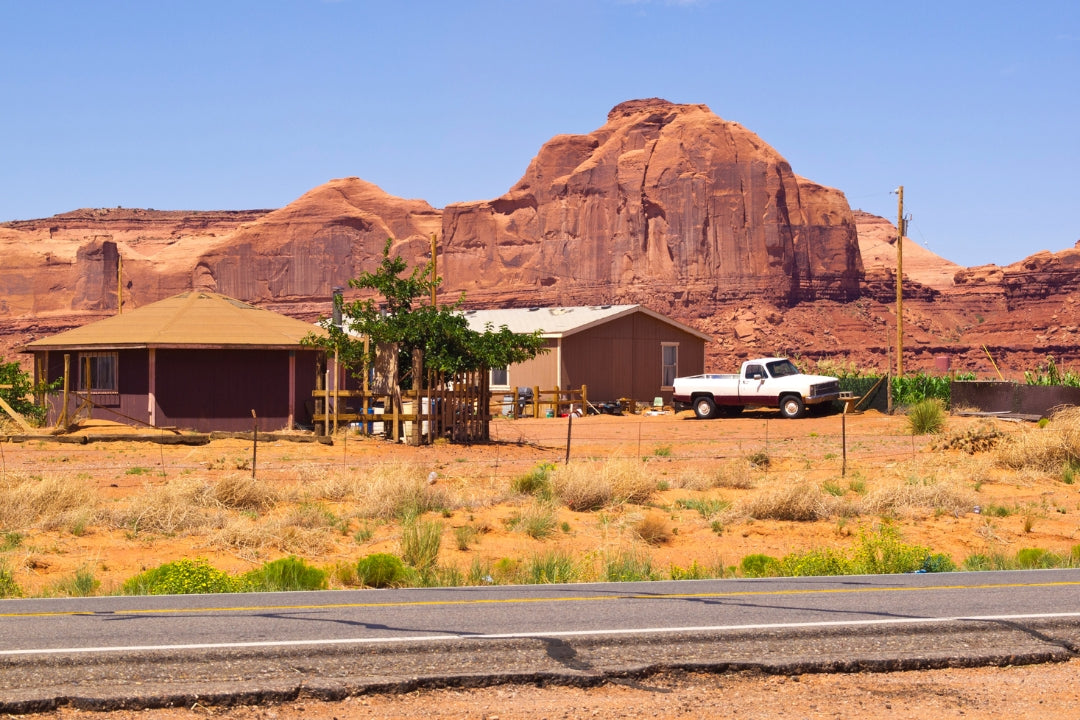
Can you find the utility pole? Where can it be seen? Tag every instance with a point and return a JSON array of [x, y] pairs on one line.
[[900, 285], [434, 272]]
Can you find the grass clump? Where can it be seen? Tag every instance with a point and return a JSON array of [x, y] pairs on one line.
[[586, 487], [43, 501], [380, 570], [708, 508], [550, 567], [284, 574], [8, 587], [799, 502], [182, 577], [537, 521], [1046, 449], [81, 584], [629, 566], [420, 542], [535, 482], [652, 529], [243, 492], [926, 417]]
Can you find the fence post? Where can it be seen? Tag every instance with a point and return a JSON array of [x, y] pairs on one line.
[[569, 428]]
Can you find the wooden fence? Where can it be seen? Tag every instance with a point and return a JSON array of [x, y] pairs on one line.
[[456, 408]]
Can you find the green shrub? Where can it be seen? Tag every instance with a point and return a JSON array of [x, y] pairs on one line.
[[758, 565], [535, 482], [883, 553], [380, 570], [628, 566], [938, 562], [81, 584], [815, 563], [8, 587], [1031, 558], [693, 572], [182, 577], [926, 417], [1051, 375], [420, 543], [551, 567], [283, 574]]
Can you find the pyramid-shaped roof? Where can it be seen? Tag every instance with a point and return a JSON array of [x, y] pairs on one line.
[[194, 319]]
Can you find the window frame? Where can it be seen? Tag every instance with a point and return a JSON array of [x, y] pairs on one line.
[[664, 365], [113, 388]]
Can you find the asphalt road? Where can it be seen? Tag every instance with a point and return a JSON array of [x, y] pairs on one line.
[[136, 652]]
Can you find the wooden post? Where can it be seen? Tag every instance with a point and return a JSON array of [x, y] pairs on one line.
[[61, 420], [536, 401], [337, 387], [418, 378], [900, 285], [320, 402], [254, 442], [569, 432]]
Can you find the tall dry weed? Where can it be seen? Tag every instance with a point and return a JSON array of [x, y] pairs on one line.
[[799, 502], [918, 497], [44, 501], [1046, 449], [243, 492], [588, 486], [185, 505], [398, 490]]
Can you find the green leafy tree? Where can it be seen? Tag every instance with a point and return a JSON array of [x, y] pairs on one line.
[[21, 387], [401, 317]]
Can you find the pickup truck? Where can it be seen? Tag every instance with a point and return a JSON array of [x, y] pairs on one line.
[[764, 382]]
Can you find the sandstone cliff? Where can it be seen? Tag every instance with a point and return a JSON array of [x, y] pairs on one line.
[[662, 196]]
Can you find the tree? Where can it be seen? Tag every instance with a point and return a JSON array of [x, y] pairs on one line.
[[442, 333], [21, 385]]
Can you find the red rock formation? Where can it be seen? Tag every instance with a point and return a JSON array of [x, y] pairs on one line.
[[662, 196], [322, 240]]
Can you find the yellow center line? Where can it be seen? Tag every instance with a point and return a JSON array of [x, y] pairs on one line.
[[514, 601]]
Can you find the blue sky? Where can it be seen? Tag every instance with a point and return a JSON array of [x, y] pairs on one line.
[[973, 106]]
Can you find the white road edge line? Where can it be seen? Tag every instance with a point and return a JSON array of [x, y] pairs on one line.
[[556, 634]]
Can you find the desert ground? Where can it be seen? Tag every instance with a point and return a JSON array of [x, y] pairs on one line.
[[719, 490]]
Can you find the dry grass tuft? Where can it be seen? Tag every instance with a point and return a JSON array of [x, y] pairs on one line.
[[47, 502], [595, 485], [653, 529], [918, 498], [243, 492], [179, 506], [799, 502], [734, 474], [398, 490], [1046, 449]]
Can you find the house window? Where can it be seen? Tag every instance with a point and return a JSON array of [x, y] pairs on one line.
[[669, 353], [500, 377], [101, 367]]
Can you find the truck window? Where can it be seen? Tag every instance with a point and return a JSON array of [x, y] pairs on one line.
[[752, 370], [782, 368]]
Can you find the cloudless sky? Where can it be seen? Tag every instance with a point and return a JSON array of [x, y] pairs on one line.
[[974, 107]]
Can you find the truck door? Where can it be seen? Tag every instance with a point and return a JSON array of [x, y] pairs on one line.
[[753, 385]]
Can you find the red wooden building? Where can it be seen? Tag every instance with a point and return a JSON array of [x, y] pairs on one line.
[[198, 360]]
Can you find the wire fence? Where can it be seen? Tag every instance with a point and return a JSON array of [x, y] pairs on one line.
[[829, 446]]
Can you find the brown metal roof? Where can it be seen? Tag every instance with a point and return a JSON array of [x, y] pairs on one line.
[[190, 319]]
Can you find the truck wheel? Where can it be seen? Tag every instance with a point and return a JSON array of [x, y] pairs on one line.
[[704, 408], [791, 406]]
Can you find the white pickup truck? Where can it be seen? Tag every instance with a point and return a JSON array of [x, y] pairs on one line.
[[764, 382]]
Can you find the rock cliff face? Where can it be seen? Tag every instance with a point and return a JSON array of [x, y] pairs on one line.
[[326, 237], [662, 196]]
